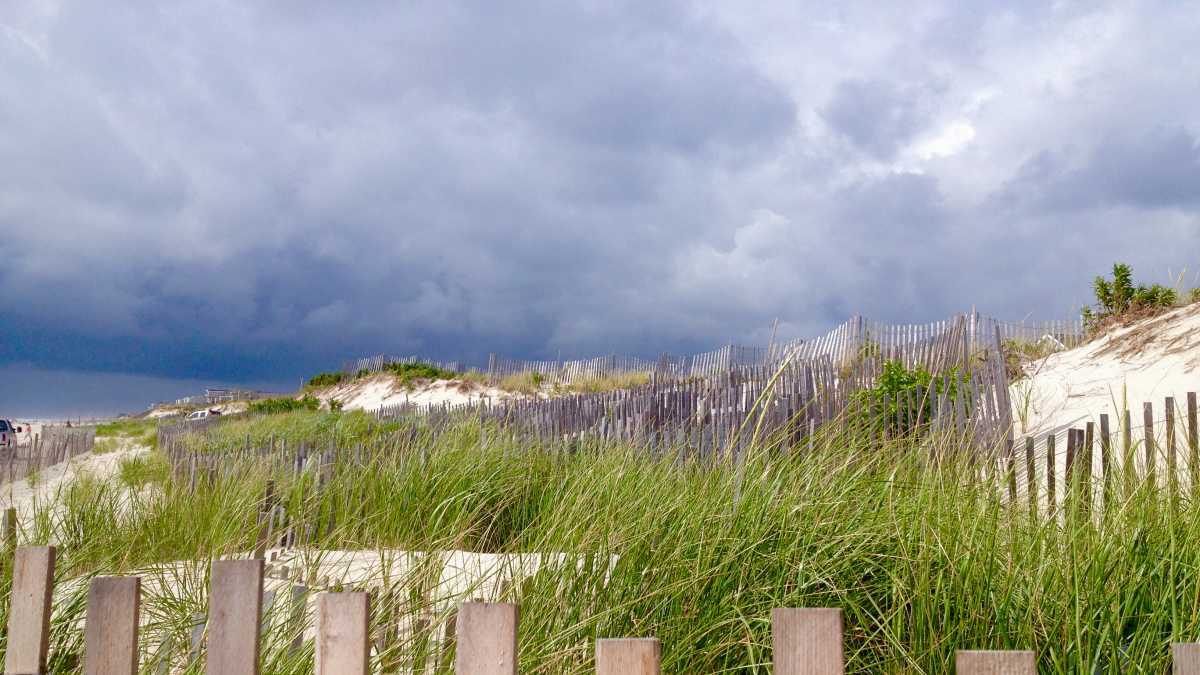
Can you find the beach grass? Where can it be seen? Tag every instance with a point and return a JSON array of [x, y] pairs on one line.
[[922, 556]]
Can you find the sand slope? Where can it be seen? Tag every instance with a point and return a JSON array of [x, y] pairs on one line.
[[1147, 361], [374, 392]]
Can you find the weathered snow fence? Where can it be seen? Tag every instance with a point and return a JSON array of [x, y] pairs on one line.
[[234, 616], [805, 641], [111, 631], [1185, 658], [342, 644], [29, 613], [487, 639], [968, 662], [628, 656]]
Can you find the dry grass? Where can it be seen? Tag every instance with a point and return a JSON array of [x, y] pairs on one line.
[[603, 383]]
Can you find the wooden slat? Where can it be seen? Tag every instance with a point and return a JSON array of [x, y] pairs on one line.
[[628, 656], [1106, 459], [1193, 440], [29, 613], [998, 662], [235, 610], [807, 641], [1172, 476], [1185, 658], [1050, 457], [342, 643], [487, 639], [1148, 439], [1031, 476], [111, 641]]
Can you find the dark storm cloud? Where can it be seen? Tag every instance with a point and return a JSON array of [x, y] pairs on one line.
[[252, 192]]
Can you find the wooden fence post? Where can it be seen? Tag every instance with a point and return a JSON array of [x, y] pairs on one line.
[[995, 663], [1105, 460], [342, 644], [29, 612], [807, 641], [1148, 439], [1050, 453], [234, 615], [1185, 658], [1172, 476], [296, 617], [1031, 476], [1193, 440], [10, 531], [628, 656], [111, 641], [487, 639]]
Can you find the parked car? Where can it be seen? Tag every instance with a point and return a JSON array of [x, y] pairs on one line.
[[8, 434], [202, 414]]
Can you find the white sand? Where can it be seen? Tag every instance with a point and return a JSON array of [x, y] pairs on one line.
[[51, 480], [1147, 361], [374, 392]]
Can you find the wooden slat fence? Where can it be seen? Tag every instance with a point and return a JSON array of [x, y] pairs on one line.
[[841, 344], [1087, 461], [804, 641], [53, 445]]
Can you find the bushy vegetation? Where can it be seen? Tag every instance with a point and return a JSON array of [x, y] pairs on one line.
[[896, 386], [528, 383], [922, 558], [409, 373], [272, 406], [1017, 353], [136, 431], [1118, 297], [1195, 295], [603, 383], [321, 380]]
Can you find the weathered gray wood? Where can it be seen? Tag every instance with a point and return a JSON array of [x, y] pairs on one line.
[[342, 642], [487, 639], [1193, 440], [1050, 457], [995, 662], [1185, 658], [1172, 476], [196, 637], [296, 617], [10, 530], [628, 656], [807, 641], [1031, 486], [235, 610], [1106, 459], [111, 630], [29, 612], [1148, 439]]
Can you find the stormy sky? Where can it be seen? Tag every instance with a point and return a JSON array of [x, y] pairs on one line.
[[250, 192]]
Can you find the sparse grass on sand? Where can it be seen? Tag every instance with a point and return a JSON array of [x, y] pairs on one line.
[[136, 431], [922, 558]]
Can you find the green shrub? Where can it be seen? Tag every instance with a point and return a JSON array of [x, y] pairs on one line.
[[407, 373], [896, 386], [326, 379], [1195, 296], [271, 406], [1118, 296]]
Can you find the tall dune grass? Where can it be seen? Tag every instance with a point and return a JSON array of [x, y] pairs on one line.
[[923, 556]]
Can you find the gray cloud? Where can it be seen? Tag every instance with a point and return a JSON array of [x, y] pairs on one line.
[[255, 192]]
